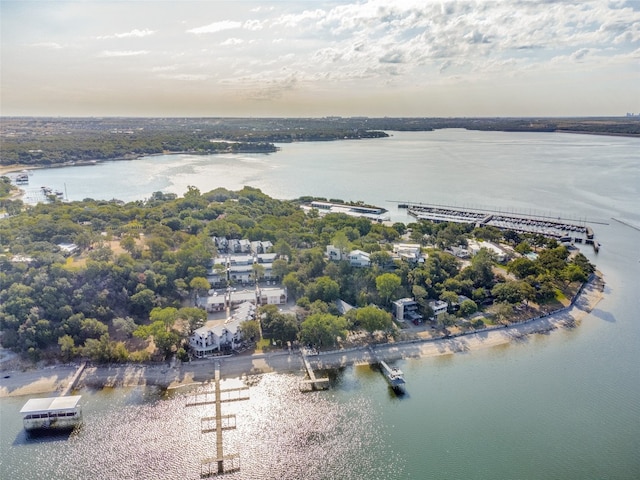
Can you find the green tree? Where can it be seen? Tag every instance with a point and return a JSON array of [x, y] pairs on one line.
[[199, 285], [372, 318], [322, 329], [468, 307], [67, 347], [388, 285], [324, 288], [250, 330]]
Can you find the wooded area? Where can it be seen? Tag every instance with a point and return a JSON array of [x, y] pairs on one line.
[[138, 266]]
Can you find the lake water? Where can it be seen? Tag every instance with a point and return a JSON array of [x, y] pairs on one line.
[[564, 405]]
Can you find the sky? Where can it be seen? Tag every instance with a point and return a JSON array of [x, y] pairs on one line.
[[318, 58]]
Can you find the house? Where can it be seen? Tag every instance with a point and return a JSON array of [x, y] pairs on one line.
[[272, 296], [68, 248], [406, 309], [358, 258], [215, 337], [259, 246], [333, 253], [439, 307], [239, 297], [409, 252], [499, 253], [216, 303]]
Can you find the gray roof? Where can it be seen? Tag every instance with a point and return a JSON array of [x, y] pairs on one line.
[[50, 404]]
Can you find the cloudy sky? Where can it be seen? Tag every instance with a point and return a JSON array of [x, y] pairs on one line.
[[316, 58]]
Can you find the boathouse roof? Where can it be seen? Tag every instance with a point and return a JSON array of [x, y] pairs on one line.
[[50, 404]]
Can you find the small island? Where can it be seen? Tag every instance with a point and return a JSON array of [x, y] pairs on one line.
[[239, 273]]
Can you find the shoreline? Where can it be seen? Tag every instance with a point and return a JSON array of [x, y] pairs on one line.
[[173, 376]]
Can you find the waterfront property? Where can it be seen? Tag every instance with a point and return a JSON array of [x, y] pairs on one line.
[[216, 337], [406, 310], [52, 413]]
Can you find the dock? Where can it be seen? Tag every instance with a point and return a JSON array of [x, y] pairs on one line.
[[220, 464], [54, 413], [564, 230], [313, 382]]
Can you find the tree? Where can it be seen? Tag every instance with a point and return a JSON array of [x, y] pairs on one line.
[[341, 242], [294, 286], [450, 297], [522, 267], [372, 319], [167, 316], [324, 288], [199, 285], [322, 329], [128, 243], [164, 339], [468, 307], [250, 330], [67, 347], [194, 318], [387, 285]]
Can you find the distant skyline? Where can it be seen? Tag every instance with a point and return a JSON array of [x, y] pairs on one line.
[[317, 58]]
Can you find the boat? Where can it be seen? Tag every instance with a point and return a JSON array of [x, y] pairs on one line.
[[22, 179], [393, 375], [55, 413]]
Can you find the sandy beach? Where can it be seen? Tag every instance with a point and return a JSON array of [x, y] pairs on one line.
[[17, 382]]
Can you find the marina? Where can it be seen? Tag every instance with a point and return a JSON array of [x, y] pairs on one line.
[[567, 231]]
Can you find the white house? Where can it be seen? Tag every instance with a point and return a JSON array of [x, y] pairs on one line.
[[358, 258], [333, 253], [215, 337], [272, 296], [410, 252]]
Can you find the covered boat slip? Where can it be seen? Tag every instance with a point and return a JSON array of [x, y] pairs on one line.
[[52, 412]]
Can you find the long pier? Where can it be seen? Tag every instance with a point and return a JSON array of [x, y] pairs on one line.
[[74, 380], [221, 463]]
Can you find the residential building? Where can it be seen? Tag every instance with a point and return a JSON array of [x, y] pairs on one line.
[[272, 296], [439, 307], [216, 337], [358, 258], [406, 309], [333, 253]]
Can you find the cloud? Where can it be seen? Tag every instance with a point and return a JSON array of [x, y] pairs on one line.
[[135, 33], [215, 27], [51, 45], [123, 53], [232, 41]]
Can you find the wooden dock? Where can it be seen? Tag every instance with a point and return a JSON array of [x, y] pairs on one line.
[[74, 380], [221, 463], [313, 382]]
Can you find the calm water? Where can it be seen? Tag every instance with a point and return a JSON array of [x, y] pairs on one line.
[[564, 405]]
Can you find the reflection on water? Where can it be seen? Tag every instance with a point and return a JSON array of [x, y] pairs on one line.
[[143, 433]]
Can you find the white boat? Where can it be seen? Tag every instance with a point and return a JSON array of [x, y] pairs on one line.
[[394, 375]]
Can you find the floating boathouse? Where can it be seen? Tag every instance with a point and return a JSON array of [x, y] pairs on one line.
[[52, 413]]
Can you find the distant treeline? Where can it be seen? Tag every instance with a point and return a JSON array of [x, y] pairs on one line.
[[50, 141]]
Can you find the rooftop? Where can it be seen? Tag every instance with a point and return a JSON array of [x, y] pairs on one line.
[[50, 404]]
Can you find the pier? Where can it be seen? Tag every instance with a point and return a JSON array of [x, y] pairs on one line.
[[314, 382], [221, 463], [74, 380], [562, 229]]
